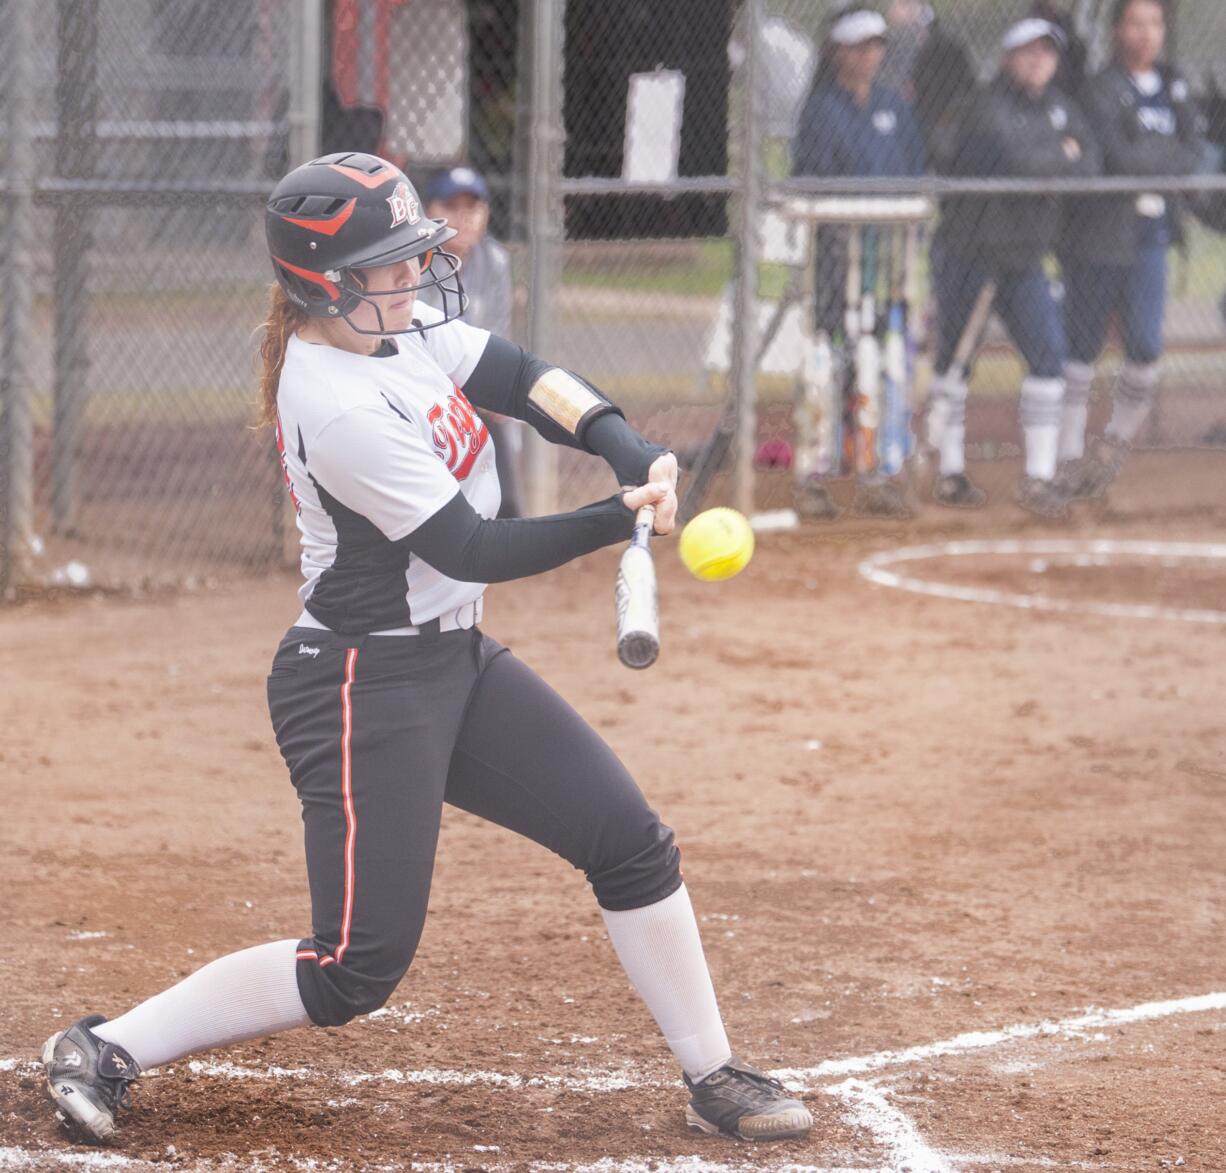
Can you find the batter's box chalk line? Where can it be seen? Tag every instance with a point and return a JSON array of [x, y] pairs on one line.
[[865, 1104], [1098, 551]]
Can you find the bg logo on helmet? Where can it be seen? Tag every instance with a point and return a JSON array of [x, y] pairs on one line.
[[404, 206]]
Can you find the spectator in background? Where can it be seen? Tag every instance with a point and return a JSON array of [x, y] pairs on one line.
[[1115, 249], [1071, 72], [852, 125], [1020, 126], [933, 72], [461, 196]]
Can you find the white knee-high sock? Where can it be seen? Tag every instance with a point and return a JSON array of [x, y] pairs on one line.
[[243, 995], [947, 422], [661, 952], [1078, 379], [1040, 410], [1134, 395]]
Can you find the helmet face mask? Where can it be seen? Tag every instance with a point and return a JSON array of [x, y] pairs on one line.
[[336, 216], [439, 270]]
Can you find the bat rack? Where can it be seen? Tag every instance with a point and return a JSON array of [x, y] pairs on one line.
[[785, 218]]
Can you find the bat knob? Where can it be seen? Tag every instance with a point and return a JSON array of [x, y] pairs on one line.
[[638, 649]]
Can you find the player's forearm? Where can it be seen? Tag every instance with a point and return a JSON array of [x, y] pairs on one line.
[[461, 544], [628, 454], [561, 407]]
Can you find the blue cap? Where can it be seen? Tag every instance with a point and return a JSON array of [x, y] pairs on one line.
[[457, 181]]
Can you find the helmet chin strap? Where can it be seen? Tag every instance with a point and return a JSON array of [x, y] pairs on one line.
[[448, 285]]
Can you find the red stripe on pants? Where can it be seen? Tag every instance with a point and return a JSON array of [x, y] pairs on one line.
[[351, 818]]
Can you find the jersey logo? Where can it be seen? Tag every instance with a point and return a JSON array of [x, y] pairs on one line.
[[458, 432], [885, 122], [1059, 117], [1157, 119], [404, 206]]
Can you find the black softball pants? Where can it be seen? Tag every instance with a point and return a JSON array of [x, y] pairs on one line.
[[378, 732]]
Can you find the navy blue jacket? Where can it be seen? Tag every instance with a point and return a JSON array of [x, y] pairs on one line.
[[836, 137]]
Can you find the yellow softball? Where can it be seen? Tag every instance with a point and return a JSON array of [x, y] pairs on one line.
[[717, 544]]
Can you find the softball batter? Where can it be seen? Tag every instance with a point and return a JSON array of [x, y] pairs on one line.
[[386, 698]]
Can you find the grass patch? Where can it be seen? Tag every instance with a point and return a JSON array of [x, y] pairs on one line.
[[204, 405]]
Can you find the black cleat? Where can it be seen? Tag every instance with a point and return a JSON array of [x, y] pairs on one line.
[[958, 491], [814, 503], [882, 498], [1042, 498], [738, 1100], [88, 1078], [1089, 478]]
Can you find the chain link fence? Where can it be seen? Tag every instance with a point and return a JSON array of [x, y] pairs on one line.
[[141, 136], [667, 326], [637, 156]]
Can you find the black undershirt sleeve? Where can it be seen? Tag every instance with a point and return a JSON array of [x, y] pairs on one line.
[[626, 452], [460, 543], [501, 382]]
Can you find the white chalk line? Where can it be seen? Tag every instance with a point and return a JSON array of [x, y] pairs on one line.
[[867, 1104], [979, 1040], [17, 1158], [891, 1128], [874, 569]]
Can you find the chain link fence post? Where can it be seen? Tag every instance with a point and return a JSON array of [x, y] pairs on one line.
[[16, 424], [306, 76], [544, 230], [743, 367], [76, 101], [304, 125]]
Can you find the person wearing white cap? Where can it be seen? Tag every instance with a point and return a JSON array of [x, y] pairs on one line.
[[852, 125], [1020, 126], [1114, 249]]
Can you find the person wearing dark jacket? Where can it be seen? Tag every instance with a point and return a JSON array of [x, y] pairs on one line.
[[1114, 248], [932, 69], [852, 125], [1019, 126], [1071, 72]]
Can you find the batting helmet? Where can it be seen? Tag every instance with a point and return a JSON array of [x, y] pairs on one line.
[[331, 218]]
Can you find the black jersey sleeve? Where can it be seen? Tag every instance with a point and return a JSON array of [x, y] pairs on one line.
[[502, 380], [461, 544]]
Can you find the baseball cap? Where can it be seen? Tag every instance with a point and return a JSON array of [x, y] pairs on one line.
[[858, 26], [1033, 28], [457, 181]]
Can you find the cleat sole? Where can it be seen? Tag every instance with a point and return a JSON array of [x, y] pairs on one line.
[[794, 1122], [74, 1109]]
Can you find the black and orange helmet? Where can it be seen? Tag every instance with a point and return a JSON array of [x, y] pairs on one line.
[[331, 218]]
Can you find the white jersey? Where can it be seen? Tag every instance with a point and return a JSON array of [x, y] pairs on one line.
[[372, 447]]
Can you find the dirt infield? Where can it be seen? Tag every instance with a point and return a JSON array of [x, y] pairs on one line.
[[903, 819]]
